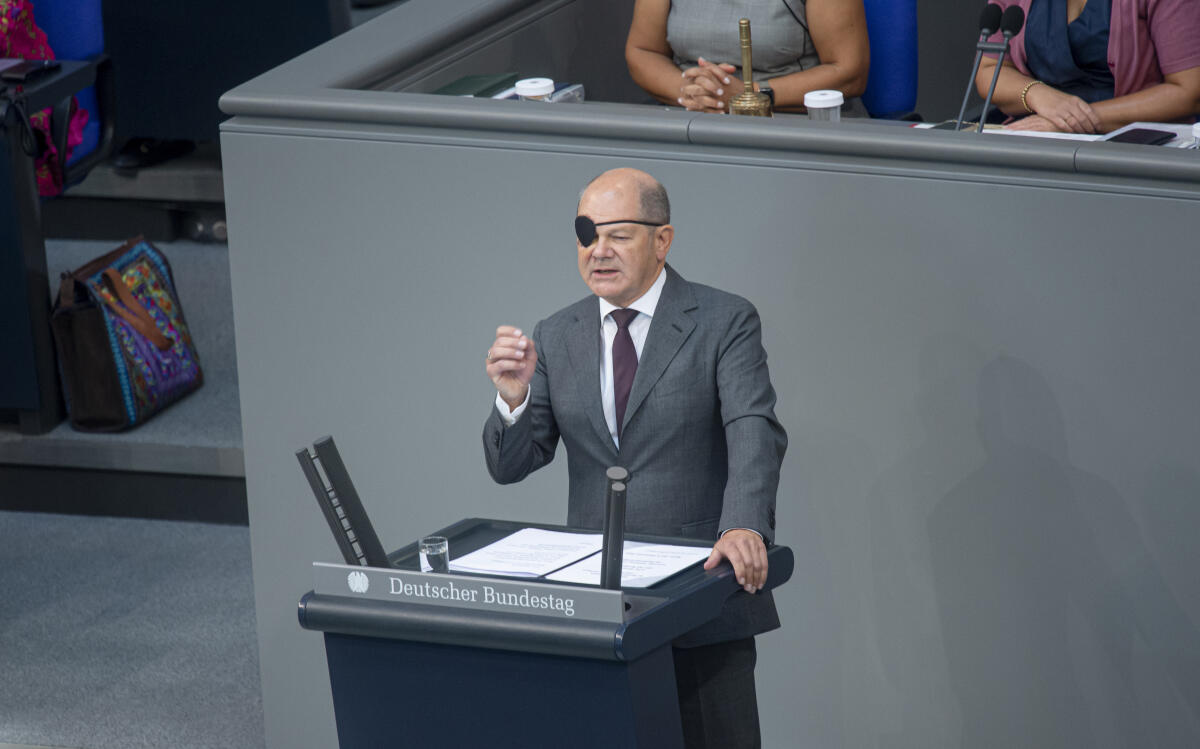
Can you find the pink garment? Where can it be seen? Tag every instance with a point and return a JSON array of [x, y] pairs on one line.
[[21, 37], [1147, 39]]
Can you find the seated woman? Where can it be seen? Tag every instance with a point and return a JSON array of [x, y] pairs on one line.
[[1091, 66], [687, 52]]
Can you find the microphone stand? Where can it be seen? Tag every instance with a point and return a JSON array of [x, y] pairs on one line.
[[614, 529], [1002, 48], [971, 81]]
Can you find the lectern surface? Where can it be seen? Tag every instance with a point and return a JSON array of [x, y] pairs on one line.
[[529, 615]]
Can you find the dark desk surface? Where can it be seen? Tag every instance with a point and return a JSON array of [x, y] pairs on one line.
[[50, 88]]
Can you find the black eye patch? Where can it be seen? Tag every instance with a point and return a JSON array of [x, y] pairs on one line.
[[585, 228]]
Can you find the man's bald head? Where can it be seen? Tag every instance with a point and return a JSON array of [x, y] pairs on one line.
[[652, 196], [629, 234]]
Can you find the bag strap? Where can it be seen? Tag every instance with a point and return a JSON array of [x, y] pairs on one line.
[[131, 310], [70, 280], [84, 272], [66, 291]]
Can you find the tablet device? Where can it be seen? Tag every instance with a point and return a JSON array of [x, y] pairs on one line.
[[1143, 136]]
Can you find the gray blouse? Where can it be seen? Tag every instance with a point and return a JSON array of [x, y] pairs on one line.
[[709, 29]]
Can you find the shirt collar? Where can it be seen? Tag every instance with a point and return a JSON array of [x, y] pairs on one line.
[[646, 303]]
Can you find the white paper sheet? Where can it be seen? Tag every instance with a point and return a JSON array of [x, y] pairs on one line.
[[642, 564], [1044, 134], [530, 552]]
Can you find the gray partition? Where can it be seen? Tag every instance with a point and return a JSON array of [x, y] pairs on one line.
[[982, 349]]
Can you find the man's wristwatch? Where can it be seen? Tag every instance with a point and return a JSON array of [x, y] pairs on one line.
[[764, 88]]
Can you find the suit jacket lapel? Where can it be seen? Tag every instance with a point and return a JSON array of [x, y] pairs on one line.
[[583, 350], [669, 328]]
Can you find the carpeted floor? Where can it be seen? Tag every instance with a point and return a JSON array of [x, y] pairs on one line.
[[121, 633]]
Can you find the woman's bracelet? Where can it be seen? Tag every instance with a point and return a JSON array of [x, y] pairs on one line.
[[1024, 91]]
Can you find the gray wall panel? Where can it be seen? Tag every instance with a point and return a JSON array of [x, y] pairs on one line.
[[992, 477]]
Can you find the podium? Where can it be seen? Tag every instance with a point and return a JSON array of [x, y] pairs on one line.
[[465, 660]]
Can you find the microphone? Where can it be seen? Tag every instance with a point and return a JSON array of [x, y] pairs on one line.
[[989, 21], [1010, 25], [614, 529], [1011, 21]]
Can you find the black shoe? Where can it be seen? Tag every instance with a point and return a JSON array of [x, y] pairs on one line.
[[138, 153]]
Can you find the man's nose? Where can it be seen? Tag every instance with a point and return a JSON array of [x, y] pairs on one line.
[[603, 248]]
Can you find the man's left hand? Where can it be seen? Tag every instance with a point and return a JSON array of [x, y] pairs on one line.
[[747, 553]]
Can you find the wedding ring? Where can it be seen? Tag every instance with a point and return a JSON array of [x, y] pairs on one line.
[[489, 357]]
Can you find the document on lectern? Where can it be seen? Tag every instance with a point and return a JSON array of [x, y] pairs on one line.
[[642, 564], [530, 552]]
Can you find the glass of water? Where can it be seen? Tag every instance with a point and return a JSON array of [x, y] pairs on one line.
[[435, 553]]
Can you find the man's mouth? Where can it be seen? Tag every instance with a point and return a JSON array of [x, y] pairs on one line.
[[604, 272]]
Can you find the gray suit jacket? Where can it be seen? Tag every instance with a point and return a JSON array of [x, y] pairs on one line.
[[700, 437]]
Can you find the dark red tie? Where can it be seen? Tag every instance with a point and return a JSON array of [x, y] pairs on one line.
[[624, 360]]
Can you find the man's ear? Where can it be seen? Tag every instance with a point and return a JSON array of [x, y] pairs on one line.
[[663, 236]]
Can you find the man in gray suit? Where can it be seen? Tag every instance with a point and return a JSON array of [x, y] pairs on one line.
[[668, 379]]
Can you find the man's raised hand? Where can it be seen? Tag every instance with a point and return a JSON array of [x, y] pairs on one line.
[[510, 364]]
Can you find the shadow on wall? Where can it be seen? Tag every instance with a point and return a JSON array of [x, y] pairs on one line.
[[1059, 629], [909, 640]]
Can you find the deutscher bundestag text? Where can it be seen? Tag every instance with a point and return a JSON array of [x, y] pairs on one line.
[[484, 593]]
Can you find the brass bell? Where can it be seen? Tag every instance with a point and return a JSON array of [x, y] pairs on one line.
[[749, 102]]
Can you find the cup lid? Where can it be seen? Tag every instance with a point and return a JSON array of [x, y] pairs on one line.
[[824, 98], [535, 87]]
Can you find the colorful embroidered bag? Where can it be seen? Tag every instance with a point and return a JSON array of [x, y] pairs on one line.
[[124, 349]]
